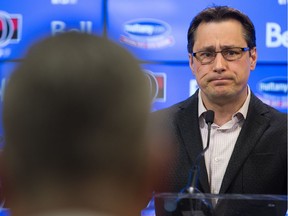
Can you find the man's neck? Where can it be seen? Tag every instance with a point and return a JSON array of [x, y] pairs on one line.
[[224, 109]]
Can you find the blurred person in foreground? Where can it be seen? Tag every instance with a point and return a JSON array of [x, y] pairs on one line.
[[248, 146], [75, 114]]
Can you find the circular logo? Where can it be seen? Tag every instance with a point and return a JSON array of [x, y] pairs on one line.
[[146, 28], [153, 84], [6, 28], [276, 86]]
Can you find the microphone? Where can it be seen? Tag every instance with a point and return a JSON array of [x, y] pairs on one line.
[[209, 119], [170, 205]]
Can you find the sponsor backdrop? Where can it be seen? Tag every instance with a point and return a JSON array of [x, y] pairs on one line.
[[155, 32]]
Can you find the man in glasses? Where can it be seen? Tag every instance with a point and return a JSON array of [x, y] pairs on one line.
[[248, 143]]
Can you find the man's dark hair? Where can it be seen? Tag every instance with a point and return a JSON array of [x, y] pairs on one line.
[[219, 14]]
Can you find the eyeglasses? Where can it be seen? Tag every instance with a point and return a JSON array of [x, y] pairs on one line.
[[229, 54]]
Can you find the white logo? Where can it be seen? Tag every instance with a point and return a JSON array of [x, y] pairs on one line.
[[193, 86], [60, 27], [147, 33], [282, 2], [63, 2], [274, 37], [5, 52]]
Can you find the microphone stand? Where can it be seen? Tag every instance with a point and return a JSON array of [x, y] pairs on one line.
[[196, 207], [209, 119], [171, 205]]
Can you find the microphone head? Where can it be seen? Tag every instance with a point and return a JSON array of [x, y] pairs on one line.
[[209, 117]]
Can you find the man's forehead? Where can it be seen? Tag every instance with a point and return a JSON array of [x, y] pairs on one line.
[[224, 34]]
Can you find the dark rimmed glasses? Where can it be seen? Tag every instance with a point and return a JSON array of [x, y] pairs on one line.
[[229, 54]]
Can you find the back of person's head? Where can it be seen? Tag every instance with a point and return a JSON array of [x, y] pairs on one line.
[[220, 14], [75, 111]]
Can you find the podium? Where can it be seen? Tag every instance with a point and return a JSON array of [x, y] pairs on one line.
[[199, 204]]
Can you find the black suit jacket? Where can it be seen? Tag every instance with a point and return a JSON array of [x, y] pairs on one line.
[[258, 164]]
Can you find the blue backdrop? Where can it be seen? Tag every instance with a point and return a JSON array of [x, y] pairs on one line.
[[155, 32]]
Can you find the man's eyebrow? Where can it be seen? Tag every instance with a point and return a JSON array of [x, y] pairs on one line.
[[207, 48], [228, 46], [213, 48]]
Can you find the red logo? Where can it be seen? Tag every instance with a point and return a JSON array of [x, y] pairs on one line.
[[157, 82], [10, 28]]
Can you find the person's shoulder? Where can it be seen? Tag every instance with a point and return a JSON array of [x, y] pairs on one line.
[[276, 115], [273, 113], [267, 110], [276, 112], [165, 118], [276, 119], [171, 111]]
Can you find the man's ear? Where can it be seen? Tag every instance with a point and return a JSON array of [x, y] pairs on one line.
[[253, 58]]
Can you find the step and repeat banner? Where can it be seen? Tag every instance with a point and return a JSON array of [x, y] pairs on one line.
[[155, 32]]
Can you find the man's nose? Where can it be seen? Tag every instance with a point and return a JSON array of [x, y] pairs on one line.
[[219, 63]]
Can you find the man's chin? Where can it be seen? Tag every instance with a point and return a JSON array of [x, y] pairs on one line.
[[224, 95]]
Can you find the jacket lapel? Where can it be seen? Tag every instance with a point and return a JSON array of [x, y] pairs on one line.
[[252, 130], [189, 132]]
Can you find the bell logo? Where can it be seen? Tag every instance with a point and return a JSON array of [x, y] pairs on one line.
[[60, 27], [274, 37]]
